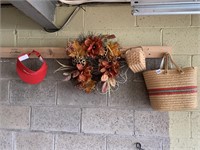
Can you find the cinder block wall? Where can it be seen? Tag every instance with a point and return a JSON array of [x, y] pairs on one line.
[[56, 116]]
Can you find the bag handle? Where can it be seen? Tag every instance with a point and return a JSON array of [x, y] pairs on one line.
[[168, 59]]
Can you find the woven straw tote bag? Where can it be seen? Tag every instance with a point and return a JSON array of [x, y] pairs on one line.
[[135, 59], [172, 89]]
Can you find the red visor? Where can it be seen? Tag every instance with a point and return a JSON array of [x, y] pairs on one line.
[[27, 75]]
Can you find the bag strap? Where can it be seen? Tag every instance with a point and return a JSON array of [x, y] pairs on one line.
[[166, 63], [168, 59], [177, 67]]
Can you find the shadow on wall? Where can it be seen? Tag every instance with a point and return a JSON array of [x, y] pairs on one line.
[[124, 118]]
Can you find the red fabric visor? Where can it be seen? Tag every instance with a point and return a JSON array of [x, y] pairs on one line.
[[27, 75]]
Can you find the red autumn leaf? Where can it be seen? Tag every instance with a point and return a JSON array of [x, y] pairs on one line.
[[105, 63], [93, 46], [104, 87], [103, 70], [88, 41], [104, 77], [112, 82], [79, 66], [81, 77], [75, 74], [90, 86], [67, 78], [112, 36], [112, 74]]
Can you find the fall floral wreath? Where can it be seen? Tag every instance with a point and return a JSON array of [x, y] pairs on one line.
[[94, 59]]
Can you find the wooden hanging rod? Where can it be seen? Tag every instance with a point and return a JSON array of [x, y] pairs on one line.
[[60, 52]]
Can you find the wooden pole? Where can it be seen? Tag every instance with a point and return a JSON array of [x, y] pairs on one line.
[[60, 52]]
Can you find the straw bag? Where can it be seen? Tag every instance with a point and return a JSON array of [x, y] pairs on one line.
[[135, 59], [172, 89]]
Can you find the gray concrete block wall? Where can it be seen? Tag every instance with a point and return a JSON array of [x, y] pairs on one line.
[[14, 117], [56, 119], [5, 140], [33, 140], [55, 115], [80, 142]]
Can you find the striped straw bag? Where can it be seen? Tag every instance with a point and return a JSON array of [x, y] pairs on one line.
[[172, 89]]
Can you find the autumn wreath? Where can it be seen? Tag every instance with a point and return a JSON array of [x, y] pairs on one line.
[[94, 59]]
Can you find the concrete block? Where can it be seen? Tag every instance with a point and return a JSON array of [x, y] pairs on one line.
[[151, 123], [54, 42], [198, 97], [108, 121], [179, 124], [137, 36], [138, 77], [35, 34], [80, 142], [76, 25], [52, 67], [71, 35], [129, 143], [131, 94], [68, 94], [195, 20], [182, 40], [182, 60], [151, 64], [134, 37], [8, 68], [5, 140], [196, 60], [29, 42], [196, 63], [42, 34], [195, 122], [157, 62], [4, 91], [33, 141], [164, 21], [14, 117], [107, 17], [166, 143], [23, 33], [39, 94], [175, 148], [9, 17], [7, 38], [184, 143], [56, 119], [198, 76]]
